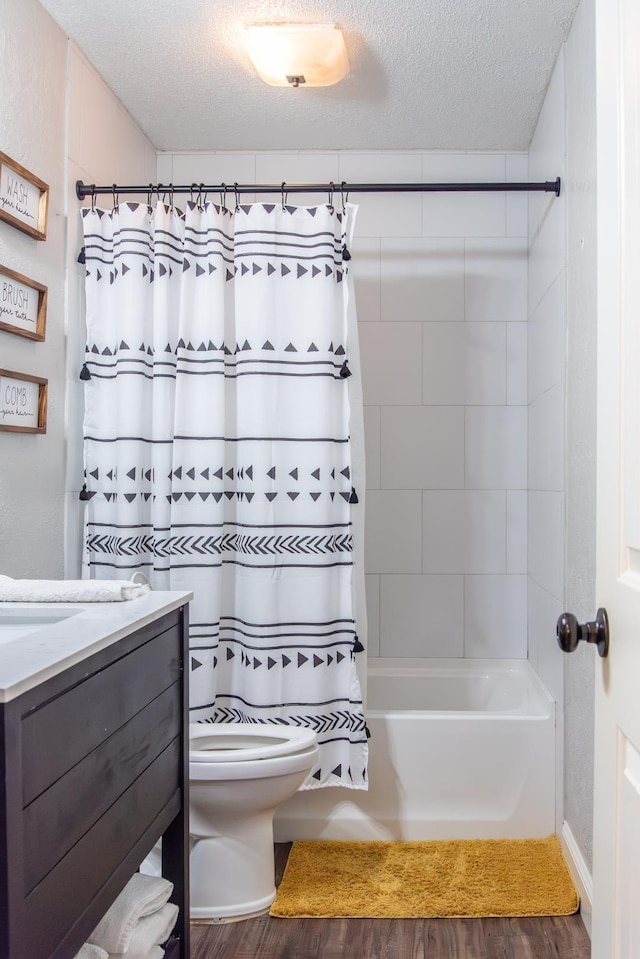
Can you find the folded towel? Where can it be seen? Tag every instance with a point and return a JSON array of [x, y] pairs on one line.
[[142, 896], [70, 590], [89, 951], [149, 933]]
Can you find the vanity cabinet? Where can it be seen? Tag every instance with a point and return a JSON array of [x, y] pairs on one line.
[[94, 771]]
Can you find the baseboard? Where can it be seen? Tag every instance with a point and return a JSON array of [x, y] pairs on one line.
[[579, 873]]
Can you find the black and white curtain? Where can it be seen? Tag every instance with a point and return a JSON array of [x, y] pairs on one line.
[[217, 451]]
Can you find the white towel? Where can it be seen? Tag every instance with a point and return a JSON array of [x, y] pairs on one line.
[[149, 933], [142, 896], [89, 951], [70, 590]]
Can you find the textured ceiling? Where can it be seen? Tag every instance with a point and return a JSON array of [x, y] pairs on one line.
[[425, 74]]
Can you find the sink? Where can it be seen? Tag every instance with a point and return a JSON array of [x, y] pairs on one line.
[[19, 621]]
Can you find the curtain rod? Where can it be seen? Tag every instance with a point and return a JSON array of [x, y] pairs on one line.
[[84, 190]]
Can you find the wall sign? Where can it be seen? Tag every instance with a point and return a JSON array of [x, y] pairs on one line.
[[24, 198], [23, 403], [23, 305]]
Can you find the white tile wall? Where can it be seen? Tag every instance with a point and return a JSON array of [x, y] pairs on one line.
[[495, 279], [384, 214], [365, 270], [464, 214], [495, 615], [441, 295], [393, 531], [422, 615], [496, 447], [464, 531], [546, 541], [465, 363], [546, 440], [516, 363], [372, 587], [422, 447], [422, 279], [391, 359], [544, 652], [517, 531], [372, 441], [546, 340]]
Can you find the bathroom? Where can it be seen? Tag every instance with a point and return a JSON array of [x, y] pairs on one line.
[[477, 327]]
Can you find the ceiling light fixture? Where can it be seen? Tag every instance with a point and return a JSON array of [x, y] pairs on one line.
[[292, 54]]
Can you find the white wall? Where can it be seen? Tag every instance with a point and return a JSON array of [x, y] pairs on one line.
[[441, 298], [32, 81], [562, 356], [104, 145], [581, 418]]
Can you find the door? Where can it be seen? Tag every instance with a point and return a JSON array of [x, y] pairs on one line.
[[616, 867]]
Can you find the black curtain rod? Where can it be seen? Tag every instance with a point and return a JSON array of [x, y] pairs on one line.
[[84, 190]]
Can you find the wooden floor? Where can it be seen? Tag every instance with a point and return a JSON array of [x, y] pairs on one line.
[[266, 938]]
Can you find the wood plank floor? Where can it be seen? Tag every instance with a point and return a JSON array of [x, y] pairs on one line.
[[265, 938]]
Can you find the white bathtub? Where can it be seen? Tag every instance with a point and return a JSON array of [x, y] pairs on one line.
[[458, 749]]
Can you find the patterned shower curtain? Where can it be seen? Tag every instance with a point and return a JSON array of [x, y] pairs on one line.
[[217, 451]]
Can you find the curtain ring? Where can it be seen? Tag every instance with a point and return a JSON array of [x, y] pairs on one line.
[[150, 198], [345, 196], [93, 197], [237, 195], [223, 198], [193, 187], [330, 197], [116, 198], [283, 196]]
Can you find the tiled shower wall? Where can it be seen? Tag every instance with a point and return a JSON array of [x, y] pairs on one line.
[[441, 292]]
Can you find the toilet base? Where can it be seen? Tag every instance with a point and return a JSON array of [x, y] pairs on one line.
[[207, 919], [233, 875]]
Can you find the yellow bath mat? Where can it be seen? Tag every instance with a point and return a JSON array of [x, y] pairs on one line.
[[412, 880]]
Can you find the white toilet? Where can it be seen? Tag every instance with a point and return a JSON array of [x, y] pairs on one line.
[[239, 773]]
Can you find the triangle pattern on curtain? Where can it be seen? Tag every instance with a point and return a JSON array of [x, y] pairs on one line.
[[217, 453]]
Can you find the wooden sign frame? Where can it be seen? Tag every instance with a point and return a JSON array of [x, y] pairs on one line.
[[13, 294], [7, 393], [18, 204]]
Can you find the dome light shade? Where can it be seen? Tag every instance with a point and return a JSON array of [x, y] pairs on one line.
[[292, 54]]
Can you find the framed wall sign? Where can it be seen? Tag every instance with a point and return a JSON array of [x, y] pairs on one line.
[[23, 403], [23, 305], [24, 198]]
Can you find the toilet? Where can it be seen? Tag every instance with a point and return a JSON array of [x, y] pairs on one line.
[[239, 773]]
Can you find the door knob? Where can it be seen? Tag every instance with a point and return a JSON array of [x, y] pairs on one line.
[[570, 632]]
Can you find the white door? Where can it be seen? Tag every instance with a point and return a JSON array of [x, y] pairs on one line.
[[616, 867]]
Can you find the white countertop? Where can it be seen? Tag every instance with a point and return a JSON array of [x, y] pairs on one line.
[[47, 650]]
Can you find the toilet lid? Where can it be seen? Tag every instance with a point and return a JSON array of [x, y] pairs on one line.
[[237, 742]]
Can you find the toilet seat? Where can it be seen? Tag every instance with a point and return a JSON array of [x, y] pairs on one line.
[[242, 742]]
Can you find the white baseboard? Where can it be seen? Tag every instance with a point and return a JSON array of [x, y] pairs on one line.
[[579, 873]]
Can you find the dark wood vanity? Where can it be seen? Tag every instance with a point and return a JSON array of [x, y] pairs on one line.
[[94, 767]]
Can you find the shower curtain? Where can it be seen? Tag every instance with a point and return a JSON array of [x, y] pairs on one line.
[[217, 451]]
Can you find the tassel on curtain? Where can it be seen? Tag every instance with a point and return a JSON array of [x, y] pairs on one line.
[[217, 452]]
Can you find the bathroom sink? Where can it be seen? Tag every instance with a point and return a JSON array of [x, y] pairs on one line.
[[19, 621]]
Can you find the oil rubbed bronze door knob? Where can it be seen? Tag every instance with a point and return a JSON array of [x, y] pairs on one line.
[[570, 632]]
